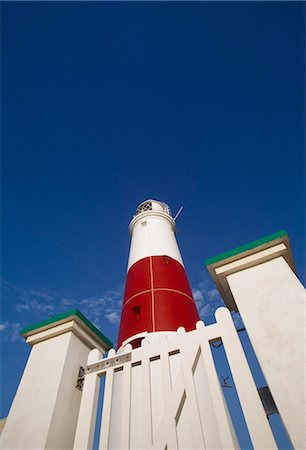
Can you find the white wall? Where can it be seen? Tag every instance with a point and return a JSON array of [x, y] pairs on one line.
[[45, 409], [271, 301]]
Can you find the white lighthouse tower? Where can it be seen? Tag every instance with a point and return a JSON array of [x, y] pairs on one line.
[[157, 296]]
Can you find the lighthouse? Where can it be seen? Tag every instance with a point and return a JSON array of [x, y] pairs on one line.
[[157, 297], [161, 388]]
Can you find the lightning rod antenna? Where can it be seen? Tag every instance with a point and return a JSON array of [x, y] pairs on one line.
[[178, 213]]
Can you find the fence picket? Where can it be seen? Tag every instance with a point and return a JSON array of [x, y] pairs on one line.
[[146, 402], [106, 413], [255, 417], [88, 409], [126, 408], [227, 434]]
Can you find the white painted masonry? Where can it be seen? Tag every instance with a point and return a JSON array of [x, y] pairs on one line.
[[45, 409], [272, 304], [272, 301]]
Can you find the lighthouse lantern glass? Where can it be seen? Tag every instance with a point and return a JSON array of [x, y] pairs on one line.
[[153, 205]]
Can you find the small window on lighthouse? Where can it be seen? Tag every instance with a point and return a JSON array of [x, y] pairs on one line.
[[135, 313]]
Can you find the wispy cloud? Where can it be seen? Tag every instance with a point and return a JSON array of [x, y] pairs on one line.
[[208, 299], [106, 306], [34, 304], [10, 331], [3, 326], [113, 317], [237, 320], [29, 305]]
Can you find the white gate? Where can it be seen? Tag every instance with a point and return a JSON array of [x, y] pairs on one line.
[[166, 394]]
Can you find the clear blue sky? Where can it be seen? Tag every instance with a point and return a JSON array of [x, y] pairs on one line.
[[107, 104]]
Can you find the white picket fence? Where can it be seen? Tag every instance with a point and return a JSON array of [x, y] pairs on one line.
[[167, 395]]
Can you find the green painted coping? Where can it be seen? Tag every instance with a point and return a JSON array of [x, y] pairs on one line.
[[245, 247], [73, 312]]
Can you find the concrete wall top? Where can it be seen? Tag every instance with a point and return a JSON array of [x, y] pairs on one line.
[[245, 256], [58, 324]]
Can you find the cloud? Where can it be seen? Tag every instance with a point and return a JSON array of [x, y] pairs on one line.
[[237, 320], [34, 305], [207, 298], [106, 306], [11, 331], [113, 317], [28, 300], [36, 301], [198, 295]]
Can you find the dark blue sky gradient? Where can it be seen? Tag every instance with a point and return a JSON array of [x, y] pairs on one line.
[[107, 104]]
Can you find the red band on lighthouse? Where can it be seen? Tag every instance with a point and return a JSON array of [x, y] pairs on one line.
[[157, 293]]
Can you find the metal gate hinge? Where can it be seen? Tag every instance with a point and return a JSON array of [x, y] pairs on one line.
[[81, 377]]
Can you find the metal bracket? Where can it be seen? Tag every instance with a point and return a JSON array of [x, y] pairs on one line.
[[267, 401], [108, 362], [225, 383], [81, 377]]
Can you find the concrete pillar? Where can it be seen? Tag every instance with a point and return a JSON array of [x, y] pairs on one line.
[[45, 409], [259, 281]]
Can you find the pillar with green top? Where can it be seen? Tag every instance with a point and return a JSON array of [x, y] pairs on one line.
[[45, 408], [259, 280]]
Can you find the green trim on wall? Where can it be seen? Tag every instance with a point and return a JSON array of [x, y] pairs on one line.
[[245, 247], [71, 313]]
